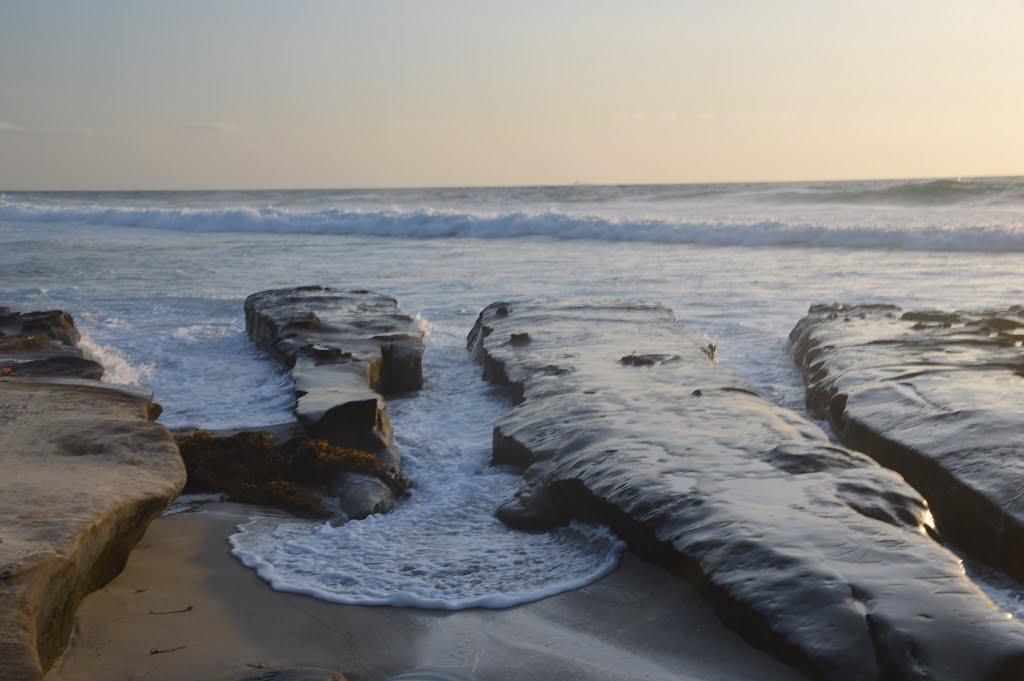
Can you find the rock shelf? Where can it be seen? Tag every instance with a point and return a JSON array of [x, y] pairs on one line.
[[345, 351], [810, 550], [936, 396], [84, 473]]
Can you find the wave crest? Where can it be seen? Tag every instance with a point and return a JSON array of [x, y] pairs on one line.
[[118, 367], [915, 193], [432, 223]]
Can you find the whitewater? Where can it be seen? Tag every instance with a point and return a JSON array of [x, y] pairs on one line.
[[156, 281], [937, 215]]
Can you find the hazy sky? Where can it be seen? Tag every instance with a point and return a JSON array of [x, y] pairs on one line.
[[260, 93]]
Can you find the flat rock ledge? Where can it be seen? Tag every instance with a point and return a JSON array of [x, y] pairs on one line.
[[812, 551], [84, 472], [345, 350], [936, 396]]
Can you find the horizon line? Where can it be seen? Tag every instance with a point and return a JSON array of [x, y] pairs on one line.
[[577, 183]]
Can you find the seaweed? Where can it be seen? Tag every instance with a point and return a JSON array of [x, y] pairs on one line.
[[250, 468]]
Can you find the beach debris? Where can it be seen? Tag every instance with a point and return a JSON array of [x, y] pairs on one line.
[[161, 651], [170, 612]]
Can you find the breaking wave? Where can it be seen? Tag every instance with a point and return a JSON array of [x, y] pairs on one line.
[[118, 367], [992, 236]]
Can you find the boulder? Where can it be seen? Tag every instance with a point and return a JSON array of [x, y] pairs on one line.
[[812, 551], [84, 472], [363, 495], [936, 396]]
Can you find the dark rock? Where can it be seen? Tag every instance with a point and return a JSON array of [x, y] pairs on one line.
[[533, 509], [810, 550], [936, 396], [364, 495], [635, 360], [344, 349], [57, 326], [42, 344], [54, 366]]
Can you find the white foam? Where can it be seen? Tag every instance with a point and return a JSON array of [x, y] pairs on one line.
[[117, 366], [1005, 592], [206, 375], [443, 547]]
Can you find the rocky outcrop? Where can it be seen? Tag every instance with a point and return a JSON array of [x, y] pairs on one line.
[[811, 550], [42, 344], [345, 349], [936, 396], [83, 473]]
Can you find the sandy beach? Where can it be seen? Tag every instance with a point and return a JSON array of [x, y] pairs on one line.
[[638, 623]]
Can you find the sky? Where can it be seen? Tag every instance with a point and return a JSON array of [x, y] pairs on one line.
[[143, 94]]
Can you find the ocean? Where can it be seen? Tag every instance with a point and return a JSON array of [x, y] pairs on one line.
[[156, 282]]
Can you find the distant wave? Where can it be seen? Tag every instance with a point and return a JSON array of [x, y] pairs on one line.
[[911, 193], [427, 224]]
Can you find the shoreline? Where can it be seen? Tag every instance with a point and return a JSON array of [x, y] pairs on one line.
[[638, 622]]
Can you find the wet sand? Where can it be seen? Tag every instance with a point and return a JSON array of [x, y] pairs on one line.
[[638, 623]]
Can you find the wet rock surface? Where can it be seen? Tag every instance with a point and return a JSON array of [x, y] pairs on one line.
[[812, 551], [344, 349], [295, 474], [937, 396], [84, 471], [362, 495]]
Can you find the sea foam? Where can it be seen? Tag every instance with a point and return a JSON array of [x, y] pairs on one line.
[[117, 366], [443, 547]]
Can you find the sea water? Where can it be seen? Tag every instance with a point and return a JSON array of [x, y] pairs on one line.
[[156, 283]]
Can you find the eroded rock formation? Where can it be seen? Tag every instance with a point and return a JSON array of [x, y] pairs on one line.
[[42, 344], [938, 397], [345, 349], [84, 471], [811, 550]]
